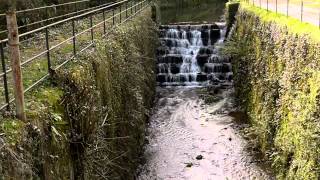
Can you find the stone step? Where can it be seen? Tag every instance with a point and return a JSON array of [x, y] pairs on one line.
[[168, 68], [177, 59], [201, 77], [217, 67], [162, 51], [189, 26], [207, 35], [211, 58]]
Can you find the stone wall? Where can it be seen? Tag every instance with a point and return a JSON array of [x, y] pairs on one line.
[[276, 64]]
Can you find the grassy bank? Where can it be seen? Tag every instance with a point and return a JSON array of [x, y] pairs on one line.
[[276, 73], [89, 122]]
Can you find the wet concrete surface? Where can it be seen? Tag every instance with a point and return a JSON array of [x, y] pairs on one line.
[[189, 139]]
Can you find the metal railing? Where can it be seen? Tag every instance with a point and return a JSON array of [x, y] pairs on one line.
[[44, 11], [307, 11], [110, 16]]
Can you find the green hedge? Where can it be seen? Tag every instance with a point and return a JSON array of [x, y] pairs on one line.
[[276, 63]]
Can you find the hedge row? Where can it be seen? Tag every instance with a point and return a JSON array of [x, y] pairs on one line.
[[277, 76]]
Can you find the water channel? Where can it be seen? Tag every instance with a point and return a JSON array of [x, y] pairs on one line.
[[194, 131]]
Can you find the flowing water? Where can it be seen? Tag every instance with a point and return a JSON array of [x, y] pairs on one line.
[[189, 136], [188, 55]]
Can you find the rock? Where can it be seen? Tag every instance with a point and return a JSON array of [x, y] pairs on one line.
[[174, 69], [161, 78], [162, 51], [202, 59], [176, 59], [202, 77], [190, 164], [183, 78], [226, 68], [214, 35], [199, 157], [205, 50]]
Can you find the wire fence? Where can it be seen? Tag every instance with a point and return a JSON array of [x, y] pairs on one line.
[[29, 19], [62, 42], [305, 10]]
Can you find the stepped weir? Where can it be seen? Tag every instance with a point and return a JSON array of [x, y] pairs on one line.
[[189, 55]]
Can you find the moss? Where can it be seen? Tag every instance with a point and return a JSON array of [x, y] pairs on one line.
[[12, 130], [108, 95], [97, 106], [231, 11], [276, 72]]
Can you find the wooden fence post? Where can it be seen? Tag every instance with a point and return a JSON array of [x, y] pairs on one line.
[[14, 57]]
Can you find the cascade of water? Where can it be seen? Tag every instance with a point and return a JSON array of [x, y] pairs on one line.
[[188, 55]]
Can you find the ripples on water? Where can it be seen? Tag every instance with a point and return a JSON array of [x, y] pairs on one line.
[[187, 138]]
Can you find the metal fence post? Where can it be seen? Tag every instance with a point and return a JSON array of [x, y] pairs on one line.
[[74, 37], [287, 8], [104, 22], [91, 26], [5, 80], [135, 7], [48, 51], [276, 6], [301, 18], [131, 4], [120, 13], [126, 10], [14, 56], [75, 8], [260, 3], [267, 5], [113, 18]]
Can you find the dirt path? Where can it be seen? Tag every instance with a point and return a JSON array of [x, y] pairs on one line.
[[191, 140]]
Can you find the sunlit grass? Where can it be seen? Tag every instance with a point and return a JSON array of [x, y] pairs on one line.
[[293, 25]]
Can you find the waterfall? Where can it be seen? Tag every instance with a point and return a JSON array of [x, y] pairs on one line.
[[189, 55]]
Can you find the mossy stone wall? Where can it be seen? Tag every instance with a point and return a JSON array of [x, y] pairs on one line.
[[277, 78], [89, 122]]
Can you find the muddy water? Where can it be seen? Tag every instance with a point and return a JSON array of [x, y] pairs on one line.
[[188, 139]]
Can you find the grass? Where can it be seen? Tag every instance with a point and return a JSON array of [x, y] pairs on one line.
[[38, 68], [13, 130], [294, 26]]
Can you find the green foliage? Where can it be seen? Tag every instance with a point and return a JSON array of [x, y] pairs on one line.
[[276, 69], [13, 130], [40, 142], [91, 122], [107, 97]]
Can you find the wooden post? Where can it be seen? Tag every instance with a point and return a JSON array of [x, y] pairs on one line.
[[14, 56]]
